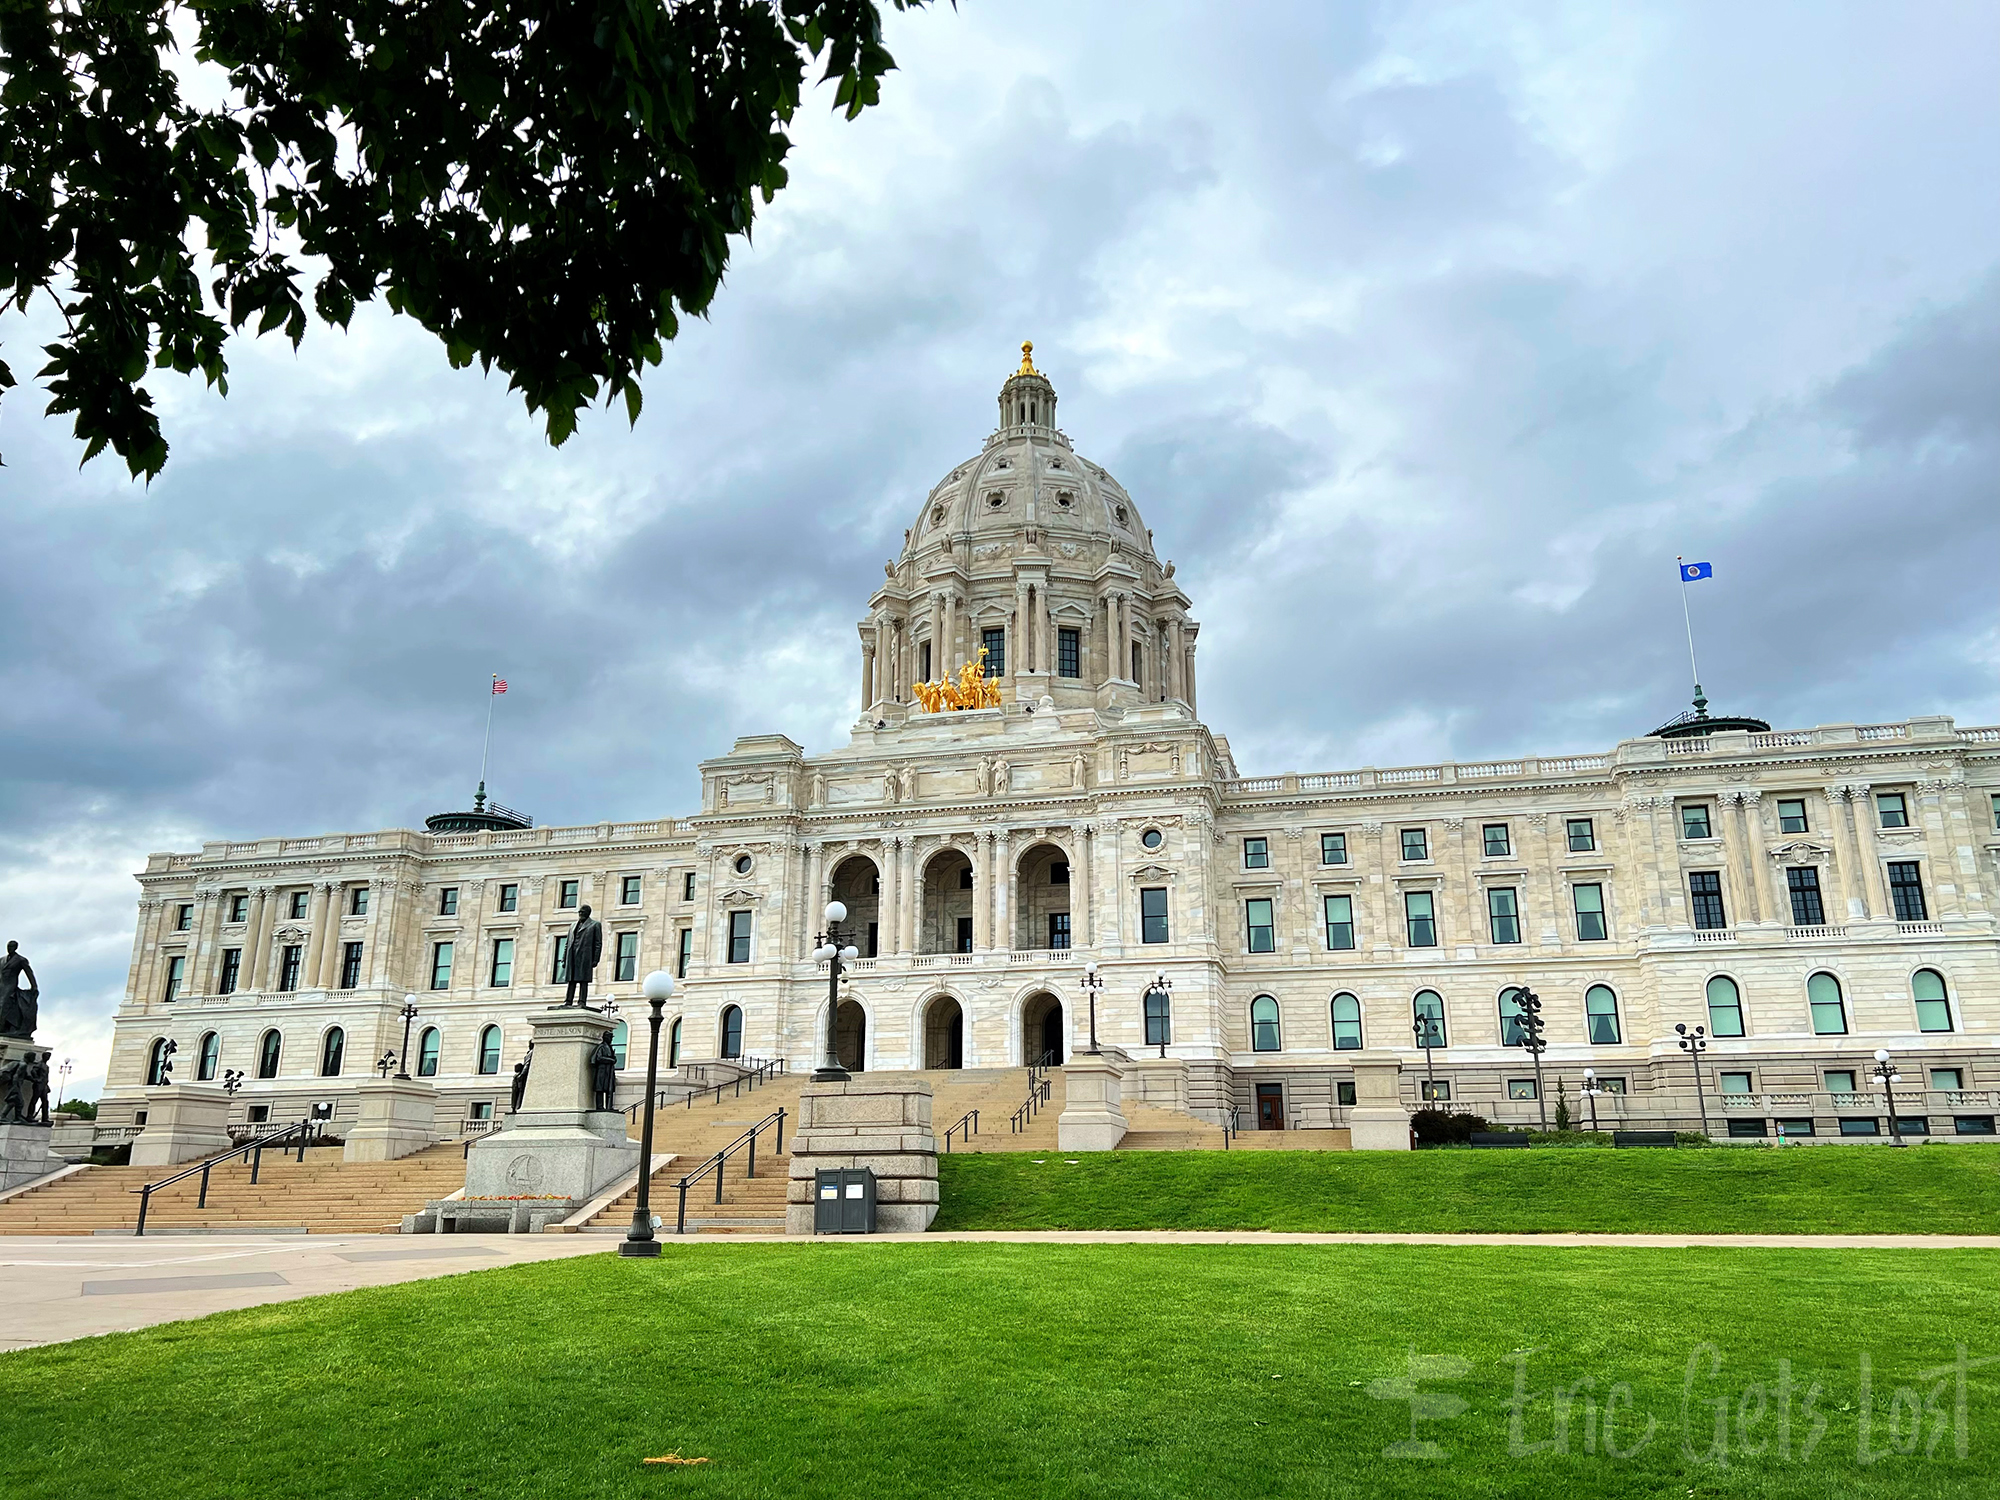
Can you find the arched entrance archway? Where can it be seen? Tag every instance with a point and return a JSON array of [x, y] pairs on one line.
[[946, 926], [1042, 1030], [850, 1036], [1042, 885], [944, 1033], [857, 884]]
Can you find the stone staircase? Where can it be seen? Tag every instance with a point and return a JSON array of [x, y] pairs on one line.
[[324, 1195]]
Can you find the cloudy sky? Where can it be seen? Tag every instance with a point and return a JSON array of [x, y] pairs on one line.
[[1425, 336]]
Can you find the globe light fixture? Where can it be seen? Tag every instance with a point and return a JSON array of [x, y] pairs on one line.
[[833, 951], [658, 988]]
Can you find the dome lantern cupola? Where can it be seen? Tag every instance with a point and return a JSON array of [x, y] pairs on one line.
[[1027, 400]]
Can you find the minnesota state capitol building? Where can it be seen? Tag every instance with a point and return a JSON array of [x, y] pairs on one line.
[[1808, 896]]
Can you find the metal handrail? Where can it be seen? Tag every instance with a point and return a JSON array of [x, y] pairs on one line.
[[966, 1129], [252, 1150], [715, 1163], [1038, 1095], [766, 1068]]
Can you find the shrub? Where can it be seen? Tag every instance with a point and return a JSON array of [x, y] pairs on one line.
[[1443, 1127]]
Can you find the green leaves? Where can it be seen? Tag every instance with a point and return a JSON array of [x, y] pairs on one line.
[[547, 188]]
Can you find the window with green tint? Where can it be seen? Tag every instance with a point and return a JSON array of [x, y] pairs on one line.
[[1829, 1013], [625, 965], [1792, 815], [1933, 1005], [441, 966], [1421, 919], [1416, 844], [1503, 914], [1582, 836], [1498, 844], [1256, 854], [1735, 1083], [1257, 917], [1893, 808], [1346, 1023], [1725, 1007], [1513, 1026], [1434, 1090], [1946, 1080], [1522, 1088], [1427, 1010], [489, 1050], [1840, 1081], [510, 897], [1333, 848], [1153, 914], [1589, 900], [1600, 1014], [621, 1037], [1339, 922], [503, 963], [427, 1052], [1694, 820], [1264, 1035]]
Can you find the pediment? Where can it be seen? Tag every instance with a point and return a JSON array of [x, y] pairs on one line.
[[1801, 851]]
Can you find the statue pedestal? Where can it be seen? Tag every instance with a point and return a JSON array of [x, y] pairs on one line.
[[1378, 1121], [556, 1145], [1093, 1116], [864, 1123], [397, 1116], [25, 1156], [184, 1122]]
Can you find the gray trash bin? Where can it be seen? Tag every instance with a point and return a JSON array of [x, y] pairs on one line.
[[844, 1200]]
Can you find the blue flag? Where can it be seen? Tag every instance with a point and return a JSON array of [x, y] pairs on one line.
[[1693, 571]]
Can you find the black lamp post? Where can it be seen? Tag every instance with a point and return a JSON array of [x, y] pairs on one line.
[[1885, 1069], [388, 1061], [409, 1014], [1535, 1043], [1694, 1043], [232, 1080], [1092, 983], [1425, 1027], [639, 1240], [1590, 1092], [1164, 988], [833, 950]]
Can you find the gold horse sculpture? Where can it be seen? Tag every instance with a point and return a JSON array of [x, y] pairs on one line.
[[972, 690]]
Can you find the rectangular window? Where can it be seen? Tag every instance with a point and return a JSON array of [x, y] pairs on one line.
[[1795, 1127], [1860, 1127], [1996, 818], [1339, 922], [964, 935], [566, 894], [1694, 820], [685, 955], [448, 901], [739, 937], [1807, 908], [1058, 929], [176, 972], [627, 962], [239, 908], [1497, 843], [350, 966], [1420, 918], [357, 902], [1947, 1079], [1256, 854], [1503, 914], [288, 965], [1589, 901], [1840, 1081], [184, 918], [299, 900], [1582, 836], [628, 891], [260, 1114], [503, 963], [440, 966], [1893, 809], [1521, 1088], [1153, 914], [232, 969], [1058, 874], [1333, 848], [479, 1109], [1735, 1083], [1257, 918], [1705, 898], [1740, 1129], [1612, 1085], [1792, 815], [1973, 1124], [687, 886], [1343, 1092], [965, 877], [1416, 844], [559, 970], [874, 947], [510, 898], [1138, 663], [924, 662], [1906, 890], [1069, 652], [1434, 1090], [995, 642]]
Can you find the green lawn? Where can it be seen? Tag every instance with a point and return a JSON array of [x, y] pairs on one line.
[[1804, 1190], [1049, 1371]]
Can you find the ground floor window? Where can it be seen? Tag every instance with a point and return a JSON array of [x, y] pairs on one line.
[[1522, 1088], [732, 1031], [1343, 1092], [1435, 1090], [1795, 1127], [1741, 1128], [1853, 1126], [1973, 1124]]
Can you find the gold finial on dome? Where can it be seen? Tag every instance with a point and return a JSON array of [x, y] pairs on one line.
[[1028, 359]]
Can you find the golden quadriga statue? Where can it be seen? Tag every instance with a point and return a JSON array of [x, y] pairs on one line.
[[972, 690]]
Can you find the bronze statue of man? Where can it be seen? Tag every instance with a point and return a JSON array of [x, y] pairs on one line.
[[520, 1084], [586, 947], [17, 1005], [604, 1074]]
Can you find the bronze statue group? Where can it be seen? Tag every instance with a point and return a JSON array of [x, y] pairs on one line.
[[24, 1081]]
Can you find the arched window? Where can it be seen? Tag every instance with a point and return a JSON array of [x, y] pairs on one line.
[[269, 1050], [674, 1044], [621, 1036], [156, 1064], [1829, 1015], [1725, 1007], [1159, 1018], [1600, 1015], [1933, 1005], [330, 1052], [427, 1053], [732, 1031], [1264, 1035], [1427, 1010], [1513, 1029], [489, 1050], [211, 1055], [1346, 1023]]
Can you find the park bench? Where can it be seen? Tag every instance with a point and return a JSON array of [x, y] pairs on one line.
[[1498, 1138], [1622, 1138]]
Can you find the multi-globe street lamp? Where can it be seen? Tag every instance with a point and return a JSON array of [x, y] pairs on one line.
[[1590, 1092], [1694, 1043], [834, 950], [1092, 983], [639, 1239], [1163, 988], [1425, 1027], [1885, 1069], [1528, 1016], [409, 1014]]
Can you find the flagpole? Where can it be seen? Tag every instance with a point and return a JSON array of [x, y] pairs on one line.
[[488, 745], [1688, 620]]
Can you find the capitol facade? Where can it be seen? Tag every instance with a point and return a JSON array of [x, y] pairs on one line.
[[1807, 897]]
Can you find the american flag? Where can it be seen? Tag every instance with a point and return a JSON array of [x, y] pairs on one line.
[[499, 684]]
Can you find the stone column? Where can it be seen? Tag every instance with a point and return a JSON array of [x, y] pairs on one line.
[[1093, 1113], [1776, 902], [1017, 656], [207, 916], [867, 676], [1378, 1121], [1188, 668], [1846, 862], [916, 911], [329, 955], [890, 919], [816, 896], [1941, 806], [255, 939], [309, 970], [982, 883], [1003, 859], [1862, 803], [1079, 875], [1047, 621], [1736, 844]]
